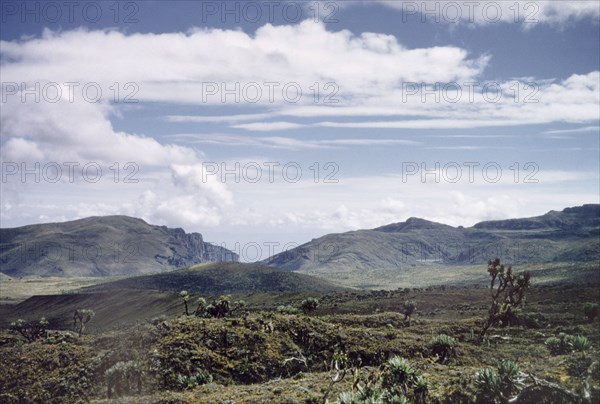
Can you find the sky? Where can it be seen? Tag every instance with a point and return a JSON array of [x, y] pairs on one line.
[[265, 124]]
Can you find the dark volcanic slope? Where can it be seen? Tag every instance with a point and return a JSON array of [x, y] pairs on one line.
[[142, 297], [102, 246], [223, 278], [570, 235]]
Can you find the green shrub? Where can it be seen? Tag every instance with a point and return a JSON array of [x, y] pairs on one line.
[[408, 308], [555, 345], [185, 296], [32, 330], [201, 308], [495, 385], [399, 377], [399, 373], [309, 304], [287, 309], [580, 343], [238, 306], [220, 307], [122, 377], [400, 383], [191, 381], [564, 343], [443, 346], [508, 293], [508, 371], [80, 318], [421, 389], [488, 385], [350, 397]]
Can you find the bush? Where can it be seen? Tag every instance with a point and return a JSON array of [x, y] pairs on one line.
[[287, 309], [555, 345], [591, 311], [408, 308], [400, 383], [220, 307], [508, 293], [507, 384], [495, 385], [488, 385], [201, 308], [349, 397], [563, 344], [508, 371], [400, 378], [191, 381], [580, 343], [238, 306], [31, 330], [310, 304], [185, 296], [443, 346], [122, 377], [82, 317]]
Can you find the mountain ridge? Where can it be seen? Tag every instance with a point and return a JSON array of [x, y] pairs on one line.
[[572, 234], [102, 246]]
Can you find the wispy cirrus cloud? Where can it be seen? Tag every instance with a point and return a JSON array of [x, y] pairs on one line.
[[586, 129], [218, 118], [280, 142]]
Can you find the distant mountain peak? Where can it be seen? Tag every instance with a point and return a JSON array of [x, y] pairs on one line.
[[102, 246], [377, 256], [412, 223], [575, 217]]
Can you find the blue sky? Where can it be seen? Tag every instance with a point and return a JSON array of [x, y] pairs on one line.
[[384, 63]]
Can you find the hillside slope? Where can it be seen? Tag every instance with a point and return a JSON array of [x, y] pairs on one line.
[[570, 235], [102, 246], [222, 278]]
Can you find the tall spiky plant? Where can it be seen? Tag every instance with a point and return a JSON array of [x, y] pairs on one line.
[[508, 293]]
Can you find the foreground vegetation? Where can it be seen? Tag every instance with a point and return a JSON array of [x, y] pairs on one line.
[[408, 345]]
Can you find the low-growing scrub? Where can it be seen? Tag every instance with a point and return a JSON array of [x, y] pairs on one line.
[[408, 309], [399, 382], [564, 343], [442, 346], [309, 305], [191, 381], [238, 353], [287, 309], [31, 330], [123, 378]]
